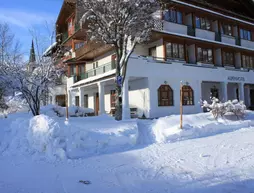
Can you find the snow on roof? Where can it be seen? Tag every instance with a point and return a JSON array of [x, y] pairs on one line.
[[213, 12], [202, 39], [49, 49]]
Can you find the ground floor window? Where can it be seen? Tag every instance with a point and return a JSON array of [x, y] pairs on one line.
[[165, 96], [187, 96], [86, 101]]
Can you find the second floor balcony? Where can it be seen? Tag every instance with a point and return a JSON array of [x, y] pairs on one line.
[[95, 72]]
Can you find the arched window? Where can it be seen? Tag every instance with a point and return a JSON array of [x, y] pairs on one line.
[[188, 96], [165, 96]]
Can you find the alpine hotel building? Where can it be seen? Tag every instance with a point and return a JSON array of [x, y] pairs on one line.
[[207, 44]]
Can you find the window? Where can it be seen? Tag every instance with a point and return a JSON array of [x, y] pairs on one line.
[[245, 34], [165, 96], [227, 29], [228, 58], [187, 96], [205, 55], [173, 15], [214, 93], [72, 70], [174, 50], [152, 51], [79, 45], [77, 101], [81, 69], [203, 23], [113, 98], [86, 101], [247, 61]]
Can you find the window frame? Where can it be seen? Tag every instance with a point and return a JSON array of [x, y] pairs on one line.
[[225, 59], [206, 21], [176, 16], [151, 51], [226, 31], [203, 50], [190, 94], [250, 61], [180, 50], [86, 103], [244, 32], [165, 102], [77, 101]]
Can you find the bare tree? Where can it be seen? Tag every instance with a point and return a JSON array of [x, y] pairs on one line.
[[9, 53], [32, 84], [122, 24], [14, 74]]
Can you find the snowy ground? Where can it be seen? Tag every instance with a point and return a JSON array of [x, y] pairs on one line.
[[140, 157]]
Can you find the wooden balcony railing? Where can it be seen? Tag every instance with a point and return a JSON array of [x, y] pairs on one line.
[[88, 47]]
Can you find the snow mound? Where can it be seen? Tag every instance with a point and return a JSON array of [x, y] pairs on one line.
[[74, 111], [43, 136], [195, 126], [50, 138]]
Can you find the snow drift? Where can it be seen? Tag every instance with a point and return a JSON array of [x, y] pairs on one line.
[[194, 126], [50, 137]]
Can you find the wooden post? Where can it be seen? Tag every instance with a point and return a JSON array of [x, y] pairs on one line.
[[66, 101], [181, 106]]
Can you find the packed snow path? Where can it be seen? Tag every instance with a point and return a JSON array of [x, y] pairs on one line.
[[220, 163]]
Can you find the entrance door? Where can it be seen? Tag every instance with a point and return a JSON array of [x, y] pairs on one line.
[[97, 104], [252, 98], [77, 101]]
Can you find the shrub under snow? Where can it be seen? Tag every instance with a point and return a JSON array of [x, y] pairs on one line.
[[219, 109], [74, 111]]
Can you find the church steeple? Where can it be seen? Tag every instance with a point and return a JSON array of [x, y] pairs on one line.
[[32, 54]]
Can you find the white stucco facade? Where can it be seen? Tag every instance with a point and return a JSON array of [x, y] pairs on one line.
[[146, 73]]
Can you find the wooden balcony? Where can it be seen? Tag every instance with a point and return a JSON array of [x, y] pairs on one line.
[[91, 50]]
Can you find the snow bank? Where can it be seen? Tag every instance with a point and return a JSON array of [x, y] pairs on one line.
[[194, 126], [50, 138], [74, 111]]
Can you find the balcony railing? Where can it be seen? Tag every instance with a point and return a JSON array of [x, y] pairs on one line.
[[66, 35], [97, 71], [218, 36], [238, 41], [89, 46], [191, 31], [158, 24]]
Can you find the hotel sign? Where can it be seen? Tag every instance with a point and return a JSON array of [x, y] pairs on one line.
[[236, 78]]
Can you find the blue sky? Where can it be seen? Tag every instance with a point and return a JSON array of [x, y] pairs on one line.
[[24, 15]]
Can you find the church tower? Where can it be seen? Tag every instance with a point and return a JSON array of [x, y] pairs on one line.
[[32, 60]]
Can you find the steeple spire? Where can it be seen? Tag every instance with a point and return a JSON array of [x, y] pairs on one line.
[[32, 54]]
